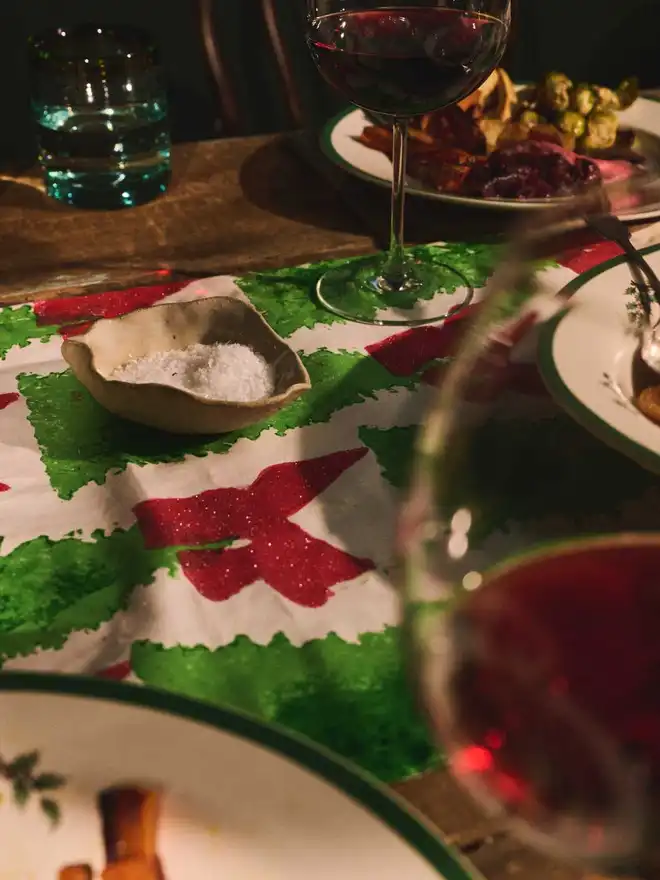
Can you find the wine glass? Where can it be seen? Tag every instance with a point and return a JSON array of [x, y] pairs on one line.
[[531, 548], [401, 61]]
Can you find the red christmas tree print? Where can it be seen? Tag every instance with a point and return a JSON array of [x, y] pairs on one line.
[[75, 313], [403, 354], [588, 250], [5, 399], [300, 567], [406, 353]]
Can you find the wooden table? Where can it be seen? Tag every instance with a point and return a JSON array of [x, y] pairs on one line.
[[233, 205], [237, 205]]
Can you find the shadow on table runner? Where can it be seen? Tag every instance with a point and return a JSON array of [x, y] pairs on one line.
[[353, 698]]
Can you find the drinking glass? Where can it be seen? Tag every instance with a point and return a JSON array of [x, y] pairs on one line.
[[531, 542], [101, 112], [400, 61]]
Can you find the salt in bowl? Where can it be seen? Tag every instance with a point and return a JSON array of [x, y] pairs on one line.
[[110, 343]]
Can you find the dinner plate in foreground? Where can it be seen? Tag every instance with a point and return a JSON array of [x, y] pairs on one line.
[[587, 359], [106, 780], [339, 142]]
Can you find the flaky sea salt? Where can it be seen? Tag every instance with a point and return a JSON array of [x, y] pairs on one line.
[[222, 371]]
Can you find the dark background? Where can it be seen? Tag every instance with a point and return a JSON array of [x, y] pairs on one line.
[[589, 39]]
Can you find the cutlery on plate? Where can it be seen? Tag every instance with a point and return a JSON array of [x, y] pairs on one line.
[[613, 229], [645, 279]]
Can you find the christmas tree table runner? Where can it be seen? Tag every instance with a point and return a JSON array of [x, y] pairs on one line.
[[251, 568]]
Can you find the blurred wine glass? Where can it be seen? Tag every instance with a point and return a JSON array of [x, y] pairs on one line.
[[532, 556]]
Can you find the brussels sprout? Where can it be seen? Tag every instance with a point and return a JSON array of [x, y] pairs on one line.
[[601, 131], [530, 117], [628, 92], [571, 122], [555, 92], [583, 99], [606, 99]]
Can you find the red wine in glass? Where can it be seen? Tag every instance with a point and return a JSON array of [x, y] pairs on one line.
[[405, 61], [401, 61], [555, 693]]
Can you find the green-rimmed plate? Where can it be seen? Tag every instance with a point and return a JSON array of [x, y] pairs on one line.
[[586, 358], [190, 790], [339, 142]]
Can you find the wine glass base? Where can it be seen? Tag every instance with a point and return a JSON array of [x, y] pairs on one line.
[[428, 292]]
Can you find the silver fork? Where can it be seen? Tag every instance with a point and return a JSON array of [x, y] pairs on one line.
[[644, 278]]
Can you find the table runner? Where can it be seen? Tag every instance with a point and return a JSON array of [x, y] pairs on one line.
[[248, 569]]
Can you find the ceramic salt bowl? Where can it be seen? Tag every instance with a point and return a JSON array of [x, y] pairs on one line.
[[112, 342]]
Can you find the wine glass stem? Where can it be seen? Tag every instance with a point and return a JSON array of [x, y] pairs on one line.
[[394, 271]]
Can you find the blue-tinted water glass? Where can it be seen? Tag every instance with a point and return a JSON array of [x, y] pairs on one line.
[[100, 106]]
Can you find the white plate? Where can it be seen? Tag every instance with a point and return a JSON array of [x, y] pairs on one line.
[[241, 799], [586, 355], [338, 142]]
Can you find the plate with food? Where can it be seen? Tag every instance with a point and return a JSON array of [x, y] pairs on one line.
[[589, 359], [512, 147], [106, 780]]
